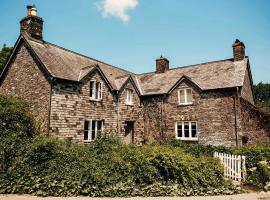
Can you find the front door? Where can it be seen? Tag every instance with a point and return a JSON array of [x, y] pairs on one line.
[[129, 132]]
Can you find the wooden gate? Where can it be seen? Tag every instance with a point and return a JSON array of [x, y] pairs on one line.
[[234, 166]]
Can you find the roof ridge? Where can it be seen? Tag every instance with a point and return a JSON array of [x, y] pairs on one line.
[[79, 54], [193, 65]]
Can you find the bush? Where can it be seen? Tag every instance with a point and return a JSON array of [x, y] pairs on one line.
[[48, 166], [15, 117], [195, 149], [257, 163], [16, 127]]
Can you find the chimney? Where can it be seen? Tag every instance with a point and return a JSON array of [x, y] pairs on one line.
[[32, 25], [162, 65], [238, 50]]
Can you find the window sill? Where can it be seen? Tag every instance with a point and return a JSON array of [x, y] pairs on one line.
[[185, 104], [96, 100], [129, 104], [88, 141], [187, 139]]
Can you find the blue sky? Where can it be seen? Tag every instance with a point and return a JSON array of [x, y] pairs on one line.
[[133, 33]]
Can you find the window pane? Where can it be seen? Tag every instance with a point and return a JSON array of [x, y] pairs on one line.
[[182, 96], [189, 95], [179, 130], [186, 129], [129, 96], [194, 129], [93, 130], [99, 126], [86, 126], [97, 90], [92, 89], [100, 91]]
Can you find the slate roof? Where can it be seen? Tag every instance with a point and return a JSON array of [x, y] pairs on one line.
[[207, 76], [69, 65]]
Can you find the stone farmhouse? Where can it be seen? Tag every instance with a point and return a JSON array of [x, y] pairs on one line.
[[77, 97]]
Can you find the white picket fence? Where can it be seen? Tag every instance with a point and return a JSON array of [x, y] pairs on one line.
[[234, 166]]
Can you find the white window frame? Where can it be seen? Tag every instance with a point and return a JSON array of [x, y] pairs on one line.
[[96, 93], [89, 131], [190, 138], [129, 97], [185, 96]]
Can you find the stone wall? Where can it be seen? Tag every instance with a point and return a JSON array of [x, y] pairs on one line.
[[25, 79], [213, 111], [255, 123], [133, 113], [71, 106], [246, 91]]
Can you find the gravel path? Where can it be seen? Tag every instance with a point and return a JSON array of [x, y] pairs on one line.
[[250, 196]]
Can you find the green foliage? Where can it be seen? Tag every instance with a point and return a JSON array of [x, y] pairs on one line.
[[4, 55], [195, 149], [257, 163], [262, 96], [48, 166], [15, 117], [16, 127], [254, 153], [259, 175]]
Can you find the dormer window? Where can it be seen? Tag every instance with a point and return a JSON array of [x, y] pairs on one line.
[[129, 100], [185, 96], [95, 90]]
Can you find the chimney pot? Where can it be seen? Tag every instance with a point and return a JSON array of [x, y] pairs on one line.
[[32, 25]]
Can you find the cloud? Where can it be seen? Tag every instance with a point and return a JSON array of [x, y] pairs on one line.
[[117, 8]]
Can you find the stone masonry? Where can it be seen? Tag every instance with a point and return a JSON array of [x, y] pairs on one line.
[[26, 80], [56, 82]]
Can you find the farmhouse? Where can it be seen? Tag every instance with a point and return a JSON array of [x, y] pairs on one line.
[[77, 97]]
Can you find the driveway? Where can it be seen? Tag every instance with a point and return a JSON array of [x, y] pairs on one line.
[[250, 196]]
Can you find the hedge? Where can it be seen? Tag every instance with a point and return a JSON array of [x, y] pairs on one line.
[[49, 166]]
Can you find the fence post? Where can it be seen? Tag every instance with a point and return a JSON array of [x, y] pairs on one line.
[[243, 168]]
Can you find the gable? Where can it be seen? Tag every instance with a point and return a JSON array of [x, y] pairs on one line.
[[186, 82], [97, 76], [28, 54], [122, 93]]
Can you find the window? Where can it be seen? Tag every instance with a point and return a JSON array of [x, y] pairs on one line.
[[185, 96], [186, 130], [95, 90], [91, 129], [129, 97]]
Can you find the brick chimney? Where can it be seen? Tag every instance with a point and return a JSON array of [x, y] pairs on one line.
[[238, 50], [162, 65], [32, 25]]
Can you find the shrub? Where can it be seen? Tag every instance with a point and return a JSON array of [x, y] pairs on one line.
[[54, 167], [15, 117], [257, 163], [195, 149], [16, 127]]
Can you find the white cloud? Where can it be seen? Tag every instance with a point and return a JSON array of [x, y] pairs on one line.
[[117, 8]]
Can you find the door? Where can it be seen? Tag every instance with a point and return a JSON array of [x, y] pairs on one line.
[[129, 132]]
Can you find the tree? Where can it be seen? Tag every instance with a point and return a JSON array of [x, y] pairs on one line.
[[262, 96], [4, 55]]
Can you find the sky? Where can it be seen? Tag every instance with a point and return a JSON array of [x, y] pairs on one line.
[[131, 34]]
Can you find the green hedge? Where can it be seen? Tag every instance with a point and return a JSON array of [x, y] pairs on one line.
[[258, 174], [47, 166]]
